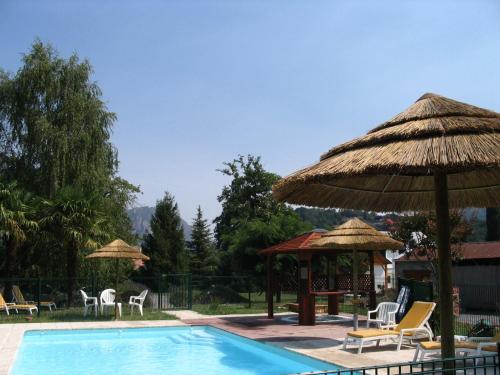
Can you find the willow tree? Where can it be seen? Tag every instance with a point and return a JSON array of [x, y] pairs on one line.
[[55, 133], [54, 125]]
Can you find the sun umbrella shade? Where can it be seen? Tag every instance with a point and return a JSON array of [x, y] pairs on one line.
[[357, 235], [391, 168], [118, 249]]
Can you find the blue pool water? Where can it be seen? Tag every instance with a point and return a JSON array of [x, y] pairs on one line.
[[172, 350]]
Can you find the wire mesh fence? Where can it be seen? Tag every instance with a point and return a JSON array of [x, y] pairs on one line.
[[64, 299]]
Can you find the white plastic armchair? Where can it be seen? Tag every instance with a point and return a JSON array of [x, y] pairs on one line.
[[88, 303], [107, 299], [137, 301], [384, 316]]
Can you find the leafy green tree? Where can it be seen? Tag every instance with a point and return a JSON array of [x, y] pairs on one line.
[[16, 223], [55, 127], [203, 258], [55, 135], [419, 234], [164, 244], [258, 234], [74, 223], [251, 219]]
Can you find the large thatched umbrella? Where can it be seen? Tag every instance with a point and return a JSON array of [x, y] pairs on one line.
[[437, 154], [356, 235], [118, 249]]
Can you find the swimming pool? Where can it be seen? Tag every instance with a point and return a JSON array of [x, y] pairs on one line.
[[178, 350]]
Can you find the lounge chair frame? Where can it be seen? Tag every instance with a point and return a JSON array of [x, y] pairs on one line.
[[18, 298], [422, 331]]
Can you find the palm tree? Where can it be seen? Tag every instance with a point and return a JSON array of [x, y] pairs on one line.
[[16, 222], [72, 218]]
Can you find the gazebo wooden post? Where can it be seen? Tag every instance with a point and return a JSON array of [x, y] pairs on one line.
[[333, 300], [269, 290], [307, 301], [373, 297]]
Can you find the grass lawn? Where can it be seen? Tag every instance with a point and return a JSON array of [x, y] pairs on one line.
[[75, 314], [226, 309]]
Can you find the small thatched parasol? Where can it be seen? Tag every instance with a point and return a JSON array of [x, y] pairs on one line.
[[356, 235], [118, 249], [439, 153]]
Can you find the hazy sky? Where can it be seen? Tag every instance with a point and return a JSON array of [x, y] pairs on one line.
[[195, 83]]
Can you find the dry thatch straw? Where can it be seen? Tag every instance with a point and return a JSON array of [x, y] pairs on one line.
[[357, 235], [118, 249], [391, 168]]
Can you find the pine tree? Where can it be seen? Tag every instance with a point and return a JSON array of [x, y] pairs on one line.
[[203, 257], [164, 243]]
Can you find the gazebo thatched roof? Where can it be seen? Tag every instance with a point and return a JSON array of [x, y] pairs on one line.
[[118, 249], [355, 234], [391, 168]]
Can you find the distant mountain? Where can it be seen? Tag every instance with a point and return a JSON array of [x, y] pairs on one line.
[[141, 216]]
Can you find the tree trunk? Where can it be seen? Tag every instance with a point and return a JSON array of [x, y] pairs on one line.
[[71, 259], [11, 259], [492, 224], [10, 268], [445, 266]]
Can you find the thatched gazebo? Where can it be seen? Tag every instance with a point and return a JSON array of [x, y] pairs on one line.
[[356, 235], [439, 153]]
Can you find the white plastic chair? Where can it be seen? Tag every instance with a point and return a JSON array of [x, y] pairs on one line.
[[384, 315], [107, 299], [137, 301], [88, 303]]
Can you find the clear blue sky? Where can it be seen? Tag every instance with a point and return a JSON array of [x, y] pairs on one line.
[[195, 83]]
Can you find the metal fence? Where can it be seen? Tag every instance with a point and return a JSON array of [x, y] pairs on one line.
[[473, 365], [60, 298]]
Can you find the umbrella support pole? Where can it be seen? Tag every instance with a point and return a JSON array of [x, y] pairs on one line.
[[355, 289], [116, 288], [445, 266]]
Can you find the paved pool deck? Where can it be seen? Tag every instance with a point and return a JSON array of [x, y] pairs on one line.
[[323, 341]]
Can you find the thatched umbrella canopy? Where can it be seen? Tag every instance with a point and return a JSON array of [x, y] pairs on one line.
[[118, 249], [439, 153], [356, 235]]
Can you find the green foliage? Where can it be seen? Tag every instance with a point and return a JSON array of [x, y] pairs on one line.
[[55, 142], [53, 112], [72, 222], [247, 197], [16, 223], [419, 234], [251, 219], [165, 243], [203, 259], [329, 218]]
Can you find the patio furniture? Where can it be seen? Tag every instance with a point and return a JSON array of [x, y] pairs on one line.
[[463, 345], [414, 325], [428, 347], [384, 315], [4, 305], [19, 298], [15, 306], [137, 301], [89, 303], [107, 299], [486, 345]]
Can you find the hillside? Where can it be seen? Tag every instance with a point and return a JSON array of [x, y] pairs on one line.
[[141, 216]]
